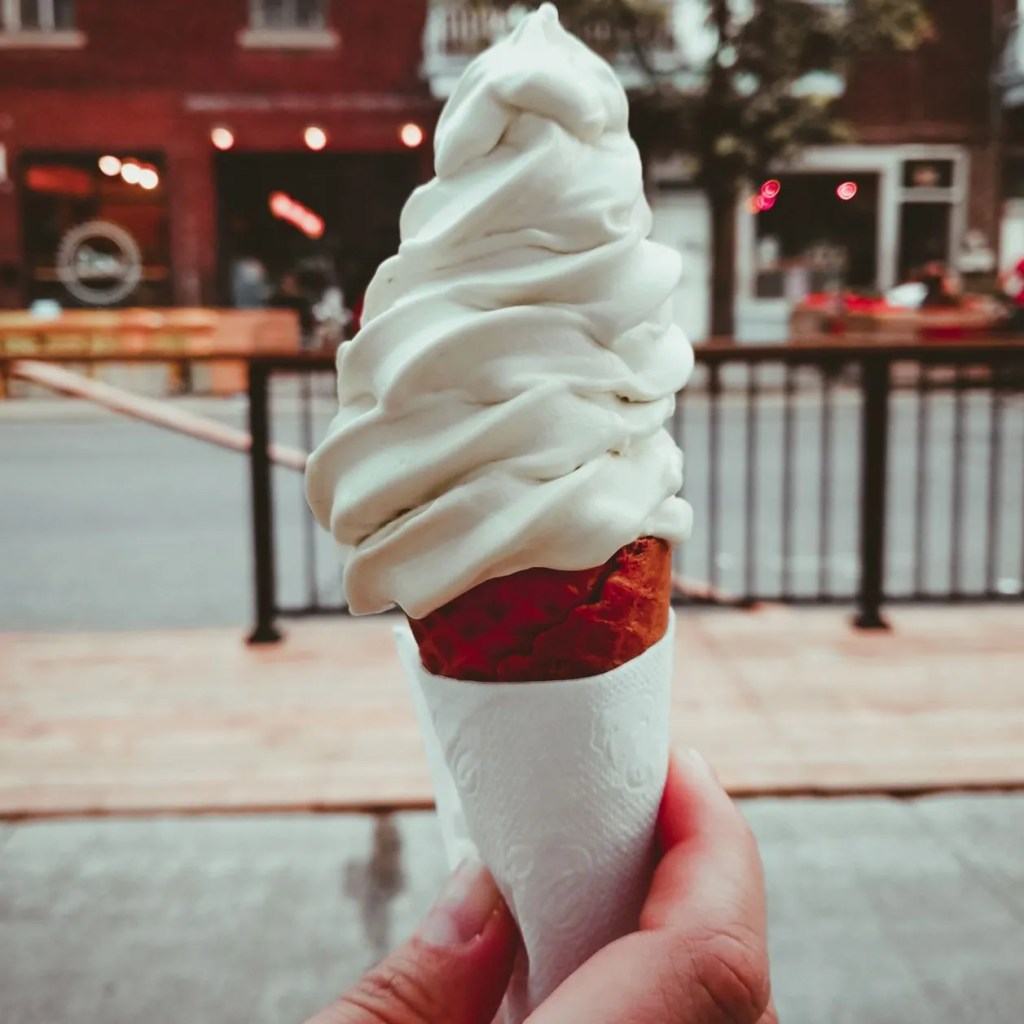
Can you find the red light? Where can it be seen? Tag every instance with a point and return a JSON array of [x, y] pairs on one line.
[[280, 204], [286, 208], [312, 225], [847, 191], [760, 203], [59, 180], [771, 188]]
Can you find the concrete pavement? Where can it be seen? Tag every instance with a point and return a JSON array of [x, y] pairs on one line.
[[882, 912]]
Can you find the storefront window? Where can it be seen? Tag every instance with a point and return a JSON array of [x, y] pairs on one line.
[[288, 14], [36, 15], [1013, 178], [816, 232], [928, 174], [96, 229], [308, 221], [924, 236]]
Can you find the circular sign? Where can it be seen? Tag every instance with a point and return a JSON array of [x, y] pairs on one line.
[[99, 263]]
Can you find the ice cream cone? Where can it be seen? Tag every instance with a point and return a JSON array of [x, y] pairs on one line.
[[546, 624]]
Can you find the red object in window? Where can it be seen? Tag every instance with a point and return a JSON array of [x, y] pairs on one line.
[[66, 181]]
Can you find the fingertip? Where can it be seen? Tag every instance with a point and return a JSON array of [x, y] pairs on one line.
[[691, 788], [709, 862], [501, 934], [695, 761]]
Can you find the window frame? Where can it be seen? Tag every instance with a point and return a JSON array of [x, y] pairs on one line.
[[46, 33], [258, 17], [258, 35]]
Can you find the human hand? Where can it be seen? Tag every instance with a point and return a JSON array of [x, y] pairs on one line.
[[699, 956]]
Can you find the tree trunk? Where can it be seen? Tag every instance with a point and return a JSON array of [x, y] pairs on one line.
[[723, 261]]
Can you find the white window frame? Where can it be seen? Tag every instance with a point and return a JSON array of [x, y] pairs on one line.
[[46, 34], [257, 17], [12, 11], [260, 36]]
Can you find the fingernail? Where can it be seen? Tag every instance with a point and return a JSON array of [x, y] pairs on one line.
[[467, 902], [698, 762]]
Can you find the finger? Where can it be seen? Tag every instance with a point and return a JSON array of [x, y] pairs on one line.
[[700, 955], [710, 874], [453, 971]]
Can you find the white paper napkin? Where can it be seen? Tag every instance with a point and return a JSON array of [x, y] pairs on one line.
[[555, 786]]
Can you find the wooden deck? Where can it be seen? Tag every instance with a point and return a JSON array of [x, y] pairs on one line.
[[779, 700]]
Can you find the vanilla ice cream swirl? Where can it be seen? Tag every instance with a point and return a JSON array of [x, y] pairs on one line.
[[503, 405]]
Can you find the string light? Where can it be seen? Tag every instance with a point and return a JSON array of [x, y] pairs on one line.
[[411, 135], [131, 172], [314, 137], [222, 138]]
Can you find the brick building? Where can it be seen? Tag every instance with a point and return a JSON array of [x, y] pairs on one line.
[[1009, 109], [325, 110], [922, 179], [319, 100]]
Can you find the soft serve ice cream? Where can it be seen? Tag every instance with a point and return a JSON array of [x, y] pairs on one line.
[[503, 406]]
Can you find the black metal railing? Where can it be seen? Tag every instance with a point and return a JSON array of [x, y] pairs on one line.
[[832, 473]]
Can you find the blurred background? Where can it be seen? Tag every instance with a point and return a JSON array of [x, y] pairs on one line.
[[213, 798]]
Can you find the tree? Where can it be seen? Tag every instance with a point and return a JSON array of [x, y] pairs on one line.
[[747, 100]]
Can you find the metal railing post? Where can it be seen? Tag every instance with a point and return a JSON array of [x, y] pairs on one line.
[[264, 631], [874, 479]]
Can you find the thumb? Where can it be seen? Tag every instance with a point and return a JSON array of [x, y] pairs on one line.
[[454, 970]]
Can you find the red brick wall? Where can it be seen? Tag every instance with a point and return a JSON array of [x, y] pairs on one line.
[[941, 92], [159, 74], [193, 45]]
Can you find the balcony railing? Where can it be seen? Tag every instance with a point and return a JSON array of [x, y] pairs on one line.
[[456, 33]]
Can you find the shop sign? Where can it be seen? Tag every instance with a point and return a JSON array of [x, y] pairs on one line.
[[99, 263]]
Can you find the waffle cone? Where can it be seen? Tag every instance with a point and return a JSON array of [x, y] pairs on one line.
[[548, 624]]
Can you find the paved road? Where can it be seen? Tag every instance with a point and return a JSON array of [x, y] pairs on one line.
[[882, 912], [107, 523]]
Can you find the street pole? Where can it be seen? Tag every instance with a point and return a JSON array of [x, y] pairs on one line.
[[874, 480], [264, 632]]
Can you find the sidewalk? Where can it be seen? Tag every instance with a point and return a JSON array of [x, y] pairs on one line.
[[881, 911], [780, 700]]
